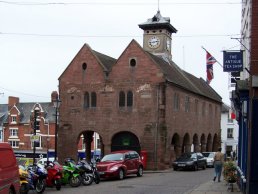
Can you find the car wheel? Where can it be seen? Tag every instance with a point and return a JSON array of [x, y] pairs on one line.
[[121, 174], [140, 171]]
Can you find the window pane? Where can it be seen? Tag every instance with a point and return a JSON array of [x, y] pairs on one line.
[[129, 99], [93, 99], [86, 100], [121, 99]]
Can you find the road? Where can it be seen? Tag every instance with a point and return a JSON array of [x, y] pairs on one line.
[[171, 182]]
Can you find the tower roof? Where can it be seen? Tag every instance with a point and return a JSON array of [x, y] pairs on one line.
[[157, 22]]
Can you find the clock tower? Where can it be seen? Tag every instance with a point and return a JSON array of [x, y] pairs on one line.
[[157, 35]]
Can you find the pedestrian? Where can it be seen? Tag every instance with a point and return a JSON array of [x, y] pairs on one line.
[[218, 162]]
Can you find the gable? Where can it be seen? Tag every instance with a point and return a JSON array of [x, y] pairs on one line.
[[144, 69], [86, 67]]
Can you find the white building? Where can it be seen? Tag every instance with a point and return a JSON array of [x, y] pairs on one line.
[[229, 131]]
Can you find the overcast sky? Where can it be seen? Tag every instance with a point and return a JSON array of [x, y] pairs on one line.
[[39, 38]]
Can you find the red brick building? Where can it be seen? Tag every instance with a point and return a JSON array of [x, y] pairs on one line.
[[18, 127], [141, 101]]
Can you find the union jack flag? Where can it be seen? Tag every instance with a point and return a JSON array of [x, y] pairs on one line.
[[210, 60]]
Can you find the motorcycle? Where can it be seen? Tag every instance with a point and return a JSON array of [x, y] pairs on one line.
[[70, 174], [25, 187], [85, 172], [37, 177], [54, 175], [96, 176]]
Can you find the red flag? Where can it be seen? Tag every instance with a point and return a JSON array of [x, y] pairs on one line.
[[210, 60]]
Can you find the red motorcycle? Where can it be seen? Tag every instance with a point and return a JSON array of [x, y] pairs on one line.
[[54, 176]]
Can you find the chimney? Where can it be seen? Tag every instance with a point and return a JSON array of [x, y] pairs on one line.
[[12, 101]]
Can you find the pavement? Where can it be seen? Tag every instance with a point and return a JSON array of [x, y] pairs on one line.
[[212, 187]]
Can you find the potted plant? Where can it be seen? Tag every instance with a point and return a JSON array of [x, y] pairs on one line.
[[230, 172]]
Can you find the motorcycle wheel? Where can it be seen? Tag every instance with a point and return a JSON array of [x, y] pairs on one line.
[[40, 186], [24, 189], [97, 177], [58, 184], [75, 181], [87, 179]]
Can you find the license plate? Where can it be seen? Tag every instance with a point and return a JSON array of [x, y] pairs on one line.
[[181, 164]]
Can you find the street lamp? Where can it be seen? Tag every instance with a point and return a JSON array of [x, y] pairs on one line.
[[36, 124], [56, 105]]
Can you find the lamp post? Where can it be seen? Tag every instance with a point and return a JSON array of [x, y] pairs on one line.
[[36, 124], [56, 105]]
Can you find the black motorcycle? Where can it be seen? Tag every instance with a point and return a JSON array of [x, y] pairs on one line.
[[95, 173], [86, 172]]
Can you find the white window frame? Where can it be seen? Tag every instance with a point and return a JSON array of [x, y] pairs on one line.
[[14, 143], [13, 132]]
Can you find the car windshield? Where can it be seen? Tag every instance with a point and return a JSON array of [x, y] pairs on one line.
[[187, 156], [116, 157]]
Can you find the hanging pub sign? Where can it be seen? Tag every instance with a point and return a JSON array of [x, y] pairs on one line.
[[232, 61]]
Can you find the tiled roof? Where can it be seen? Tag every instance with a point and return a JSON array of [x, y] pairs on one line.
[[107, 61], [25, 110], [185, 80]]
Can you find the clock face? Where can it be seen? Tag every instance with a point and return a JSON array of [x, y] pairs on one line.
[[154, 42]]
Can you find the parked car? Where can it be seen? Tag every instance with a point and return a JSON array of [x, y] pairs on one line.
[[119, 164], [193, 161], [9, 170], [209, 158]]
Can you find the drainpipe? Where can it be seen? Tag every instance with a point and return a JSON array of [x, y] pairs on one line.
[[156, 131]]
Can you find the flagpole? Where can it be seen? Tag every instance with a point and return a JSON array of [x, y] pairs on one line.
[[213, 57], [218, 62]]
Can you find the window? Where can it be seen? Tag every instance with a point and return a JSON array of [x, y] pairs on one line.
[[86, 100], [132, 62], [187, 104], [93, 99], [14, 132], [196, 106], [121, 99], [203, 108], [230, 133], [14, 144], [125, 99], [90, 100], [14, 119], [176, 102], [129, 99]]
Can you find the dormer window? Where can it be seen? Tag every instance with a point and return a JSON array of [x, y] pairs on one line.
[[13, 119]]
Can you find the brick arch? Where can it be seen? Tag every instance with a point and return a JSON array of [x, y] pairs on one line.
[[125, 140], [196, 144], [209, 143], [175, 147], [186, 146], [215, 144], [203, 143]]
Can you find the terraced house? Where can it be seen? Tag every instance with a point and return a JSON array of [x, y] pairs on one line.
[[141, 101]]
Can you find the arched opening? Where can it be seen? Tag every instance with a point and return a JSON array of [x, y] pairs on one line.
[[125, 141], [89, 145], [209, 144], [175, 147], [196, 144], [203, 143], [186, 148]]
